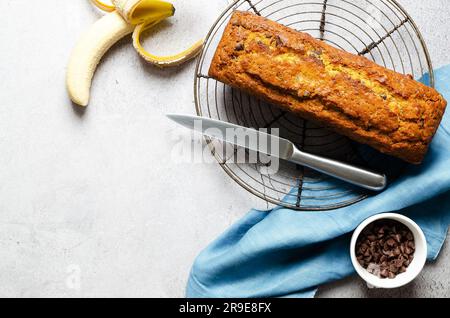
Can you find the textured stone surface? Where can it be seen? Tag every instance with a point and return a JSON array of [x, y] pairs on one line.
[[93, 203]]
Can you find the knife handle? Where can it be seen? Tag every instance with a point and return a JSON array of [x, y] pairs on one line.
[[361, 177]]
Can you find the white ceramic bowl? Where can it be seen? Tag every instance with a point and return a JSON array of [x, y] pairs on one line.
[[416, 266]]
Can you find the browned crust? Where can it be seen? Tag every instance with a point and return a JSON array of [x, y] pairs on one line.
[[348, 93]]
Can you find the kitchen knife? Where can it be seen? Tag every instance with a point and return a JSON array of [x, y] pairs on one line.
[[284, 149]]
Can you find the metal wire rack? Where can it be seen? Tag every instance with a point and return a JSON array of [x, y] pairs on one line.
[[380, 30]]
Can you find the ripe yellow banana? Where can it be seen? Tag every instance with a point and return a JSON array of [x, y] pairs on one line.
[[125, 17]]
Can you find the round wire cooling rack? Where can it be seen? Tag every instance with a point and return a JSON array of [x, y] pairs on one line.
[[380, 30]]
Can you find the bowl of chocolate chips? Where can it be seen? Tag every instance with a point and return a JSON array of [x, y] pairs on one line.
[[388, 250]]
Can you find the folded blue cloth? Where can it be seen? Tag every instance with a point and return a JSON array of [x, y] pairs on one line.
[[284, 253]]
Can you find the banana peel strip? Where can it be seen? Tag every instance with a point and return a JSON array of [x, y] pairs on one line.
[[145, 14], [103, 6], [163, 61]]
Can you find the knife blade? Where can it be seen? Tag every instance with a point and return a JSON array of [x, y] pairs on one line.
[[254, 140], [273, 145]]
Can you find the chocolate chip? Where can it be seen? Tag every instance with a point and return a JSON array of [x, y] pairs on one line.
[[278, 41], [399, 263], [385, 248], [393, 268], [239, 47], [376, 257], [317, 52], [388, 253], [390, 242]]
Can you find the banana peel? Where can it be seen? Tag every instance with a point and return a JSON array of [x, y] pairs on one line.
[[123, 18]]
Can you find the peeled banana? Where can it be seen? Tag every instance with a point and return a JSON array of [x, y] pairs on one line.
[[88, 53], [125, 17]]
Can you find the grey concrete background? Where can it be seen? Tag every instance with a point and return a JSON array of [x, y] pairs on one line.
[[91, 203]]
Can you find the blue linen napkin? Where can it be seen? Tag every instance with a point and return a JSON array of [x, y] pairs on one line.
[[284, 253]]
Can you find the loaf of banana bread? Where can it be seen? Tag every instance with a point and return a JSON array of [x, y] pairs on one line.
[[347, 93]]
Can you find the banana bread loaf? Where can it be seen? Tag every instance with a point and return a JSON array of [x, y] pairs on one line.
[[347, 93]]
